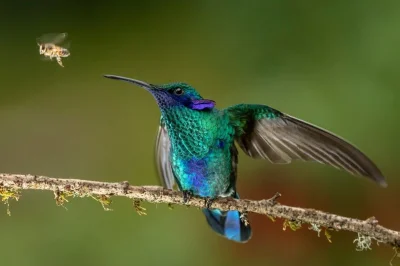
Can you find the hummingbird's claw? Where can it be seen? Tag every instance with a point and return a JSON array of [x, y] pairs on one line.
[[208, 201], [244, 218], [187, 195]]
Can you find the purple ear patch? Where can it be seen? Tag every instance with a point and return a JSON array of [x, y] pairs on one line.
[[202, 104]]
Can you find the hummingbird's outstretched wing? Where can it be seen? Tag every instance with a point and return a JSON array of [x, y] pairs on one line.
[[163, 146], [263, 132]]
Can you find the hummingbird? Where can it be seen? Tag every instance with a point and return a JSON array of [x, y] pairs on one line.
[[195, 148]]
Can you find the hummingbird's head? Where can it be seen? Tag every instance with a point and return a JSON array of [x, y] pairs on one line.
[[172, 94]]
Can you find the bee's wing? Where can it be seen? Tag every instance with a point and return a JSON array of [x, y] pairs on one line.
[[55, 38], [66, 45]]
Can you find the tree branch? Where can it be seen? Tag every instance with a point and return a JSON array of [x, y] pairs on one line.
[[367, 229]]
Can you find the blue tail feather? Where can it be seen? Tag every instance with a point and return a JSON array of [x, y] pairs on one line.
[[228, 224]]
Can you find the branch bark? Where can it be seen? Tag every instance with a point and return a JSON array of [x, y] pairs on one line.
[[368, 228]]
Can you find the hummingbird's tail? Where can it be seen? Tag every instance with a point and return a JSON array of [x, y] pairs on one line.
[[228, 224]]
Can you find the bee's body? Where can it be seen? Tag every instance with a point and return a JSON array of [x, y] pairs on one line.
[[50, 49]]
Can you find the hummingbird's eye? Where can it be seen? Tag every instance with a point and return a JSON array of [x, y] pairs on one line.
[[178, 91]]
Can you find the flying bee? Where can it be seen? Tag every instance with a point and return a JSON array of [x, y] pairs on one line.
[[49, 46]]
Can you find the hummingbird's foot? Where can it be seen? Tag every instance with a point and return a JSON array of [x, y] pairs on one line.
[[208, 201], [244, 219], [125, 186], [187, 195]]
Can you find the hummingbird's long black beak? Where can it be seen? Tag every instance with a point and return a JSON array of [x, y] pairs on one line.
[[134, 81]]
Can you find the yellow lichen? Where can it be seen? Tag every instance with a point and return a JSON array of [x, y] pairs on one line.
[[272, 218], [293, 225], [328, 235], [9, 193], [104, 200], [138, 208], [61, 197]]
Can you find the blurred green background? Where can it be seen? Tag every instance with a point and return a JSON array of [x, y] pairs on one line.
[[333, 63]]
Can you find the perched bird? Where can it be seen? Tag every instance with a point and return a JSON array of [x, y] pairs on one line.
[[195, 147]]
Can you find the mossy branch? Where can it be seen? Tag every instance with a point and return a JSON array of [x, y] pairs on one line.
[[367, 230]]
